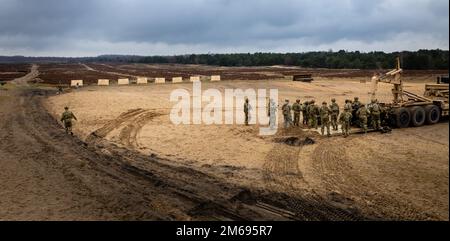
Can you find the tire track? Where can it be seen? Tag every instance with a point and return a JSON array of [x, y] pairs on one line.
[[98, 180], [342, 182], [281, 170], [116, 123], [133, 125]]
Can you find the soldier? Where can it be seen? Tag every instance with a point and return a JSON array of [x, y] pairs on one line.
[[313, 114], [316, 112], [356, 104], [286, 108], [334, 107], [246, 109], [375, 112], [305, 112], [362, 114], [297, 108], [348, 105], [325, 118], [66, 119], [273, 108], [345, 119]]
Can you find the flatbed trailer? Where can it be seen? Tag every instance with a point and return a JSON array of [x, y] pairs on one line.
[[409, 109]]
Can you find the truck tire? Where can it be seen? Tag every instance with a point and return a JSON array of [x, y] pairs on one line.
[[402, 117], [418, 116], [433, 114]]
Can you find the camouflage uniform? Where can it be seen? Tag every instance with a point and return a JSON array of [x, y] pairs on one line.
[[348, 105], [355, 106], [286, 108], [334, 107], [66, 119], [375, 112], [313, 114], [305, 112], [345, 119], [246, 108], [297, 108], [273, 108], [325, 118], [362, 114]]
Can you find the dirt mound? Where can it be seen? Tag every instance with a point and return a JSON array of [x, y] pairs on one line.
[[295, 141]]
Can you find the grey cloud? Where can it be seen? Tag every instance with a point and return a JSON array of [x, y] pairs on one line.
[[53, 26]]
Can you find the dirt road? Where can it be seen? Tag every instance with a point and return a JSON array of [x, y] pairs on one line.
[[48, 175], [30, 76], [109, 72]]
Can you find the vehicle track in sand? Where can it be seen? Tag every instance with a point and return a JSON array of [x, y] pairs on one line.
[[281, 170], [129, 133], [28, 77], [87, 67], [48, 175], [342, 181]]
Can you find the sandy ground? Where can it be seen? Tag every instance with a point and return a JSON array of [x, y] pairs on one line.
[[402, 175]]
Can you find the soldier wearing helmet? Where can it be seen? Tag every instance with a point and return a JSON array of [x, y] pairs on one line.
[[305, 112], [375, 112], [345, 120], [297, 108], [313, 114], [325, 118], [334, 107], [362, 113], [66, 119], [286, 108]]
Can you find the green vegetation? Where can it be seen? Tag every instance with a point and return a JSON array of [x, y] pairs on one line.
[[419, 60], [422, 59]]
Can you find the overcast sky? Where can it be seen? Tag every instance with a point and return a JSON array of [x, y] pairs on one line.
[[166, 27]]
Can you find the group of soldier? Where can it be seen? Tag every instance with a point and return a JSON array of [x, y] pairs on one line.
[[330, 116]]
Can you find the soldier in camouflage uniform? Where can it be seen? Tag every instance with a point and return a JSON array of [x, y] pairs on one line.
[[325, 118], [334, 107], [356, 104], [348, 105], [313, 114], [273, 108], [297, 108], [305, 112], [246, 109], [66, 119], [286, 108], [345, 120], [362, 114], [375, 112]]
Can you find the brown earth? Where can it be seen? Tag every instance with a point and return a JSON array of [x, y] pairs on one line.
[[48, 175], [10, 72], [128, 162], [53, 73], [401, 176]]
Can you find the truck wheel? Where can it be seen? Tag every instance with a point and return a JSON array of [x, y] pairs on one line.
[[418, 116], [402, 117], [433, 114]]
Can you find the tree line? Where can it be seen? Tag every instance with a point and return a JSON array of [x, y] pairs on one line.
[[422, 59]]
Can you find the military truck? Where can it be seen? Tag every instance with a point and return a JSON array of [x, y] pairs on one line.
[[409, 109]]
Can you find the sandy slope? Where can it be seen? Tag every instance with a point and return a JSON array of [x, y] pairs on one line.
[[403, 175]]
